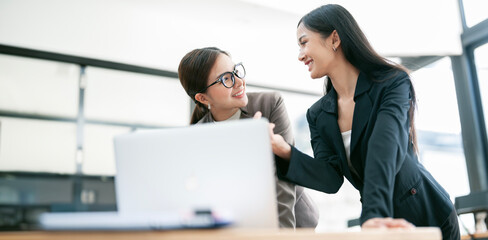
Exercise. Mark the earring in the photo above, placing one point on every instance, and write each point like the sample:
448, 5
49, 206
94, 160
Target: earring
208, 106
334, 48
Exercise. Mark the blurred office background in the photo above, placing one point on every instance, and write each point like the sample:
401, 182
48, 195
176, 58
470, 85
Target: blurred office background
73, 74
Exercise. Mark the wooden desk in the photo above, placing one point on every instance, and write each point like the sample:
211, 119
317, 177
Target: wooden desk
480, 236
231, 234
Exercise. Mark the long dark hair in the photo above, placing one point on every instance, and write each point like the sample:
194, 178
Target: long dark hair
193, 73
357, 50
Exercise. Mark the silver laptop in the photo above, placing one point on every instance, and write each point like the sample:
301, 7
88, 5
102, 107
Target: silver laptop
203, 175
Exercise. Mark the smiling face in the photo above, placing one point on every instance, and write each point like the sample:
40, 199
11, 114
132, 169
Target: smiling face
316, 52
224, 101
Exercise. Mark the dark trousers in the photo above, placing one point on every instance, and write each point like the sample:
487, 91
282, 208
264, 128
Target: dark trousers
450, 228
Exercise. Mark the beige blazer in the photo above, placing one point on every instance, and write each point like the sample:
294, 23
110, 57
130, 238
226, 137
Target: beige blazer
295, 207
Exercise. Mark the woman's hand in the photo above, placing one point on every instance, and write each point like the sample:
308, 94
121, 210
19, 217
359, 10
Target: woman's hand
279, 145
387, 223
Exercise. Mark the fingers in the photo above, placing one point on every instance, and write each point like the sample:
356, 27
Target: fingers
271, 128
374, 223
279, 146
399, 223
257, 115
278, 143
387, 223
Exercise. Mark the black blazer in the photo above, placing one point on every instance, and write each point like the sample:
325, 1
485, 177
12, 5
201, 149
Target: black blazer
391, 180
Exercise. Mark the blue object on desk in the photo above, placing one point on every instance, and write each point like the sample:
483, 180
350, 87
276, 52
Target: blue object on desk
99, 221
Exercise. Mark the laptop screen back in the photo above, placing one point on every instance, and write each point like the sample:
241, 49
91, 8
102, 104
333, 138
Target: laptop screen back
224, 167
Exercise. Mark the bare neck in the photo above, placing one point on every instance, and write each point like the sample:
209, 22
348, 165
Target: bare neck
344, 79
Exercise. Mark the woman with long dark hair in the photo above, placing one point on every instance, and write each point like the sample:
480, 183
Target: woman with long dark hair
218, 87
363, 129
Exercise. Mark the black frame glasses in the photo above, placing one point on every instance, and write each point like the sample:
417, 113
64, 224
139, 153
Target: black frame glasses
239, 71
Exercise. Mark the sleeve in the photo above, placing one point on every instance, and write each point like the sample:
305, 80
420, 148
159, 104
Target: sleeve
306, 211
322, 172
285, 191
387, 148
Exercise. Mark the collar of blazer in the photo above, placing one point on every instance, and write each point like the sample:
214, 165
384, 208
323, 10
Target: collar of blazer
362, 111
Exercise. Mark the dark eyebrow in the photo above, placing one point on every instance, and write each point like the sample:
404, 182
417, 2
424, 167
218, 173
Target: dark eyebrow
222, 74
300, 38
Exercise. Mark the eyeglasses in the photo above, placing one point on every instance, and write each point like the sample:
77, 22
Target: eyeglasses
227, 78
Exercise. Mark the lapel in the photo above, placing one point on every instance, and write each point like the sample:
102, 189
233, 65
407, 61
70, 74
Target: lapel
362, 109
332, 132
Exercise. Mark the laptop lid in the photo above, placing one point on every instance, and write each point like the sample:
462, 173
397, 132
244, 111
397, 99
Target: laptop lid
224, 167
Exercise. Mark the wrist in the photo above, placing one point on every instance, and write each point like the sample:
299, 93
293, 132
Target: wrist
285, 152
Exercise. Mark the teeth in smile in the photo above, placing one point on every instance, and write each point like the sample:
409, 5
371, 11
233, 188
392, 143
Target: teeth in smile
238, 94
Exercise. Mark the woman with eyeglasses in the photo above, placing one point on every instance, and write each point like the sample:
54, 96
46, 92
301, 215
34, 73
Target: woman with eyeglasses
217, 86
363, 130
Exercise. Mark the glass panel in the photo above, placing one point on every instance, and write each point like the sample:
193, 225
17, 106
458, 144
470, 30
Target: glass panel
135, 98
38, 86
37, 145
436, 98
99, 149
481, 61
473, 11
35, 190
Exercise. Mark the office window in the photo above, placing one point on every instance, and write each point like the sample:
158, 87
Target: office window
37, 145
44, 88
436, 98
38, 87
481, 62
98, 152
474, 11
133, 98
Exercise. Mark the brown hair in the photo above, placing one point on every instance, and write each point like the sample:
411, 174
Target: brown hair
193, 73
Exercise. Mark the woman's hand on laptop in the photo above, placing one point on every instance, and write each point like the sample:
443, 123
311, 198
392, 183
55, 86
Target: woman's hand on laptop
257, 115
279, 145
